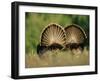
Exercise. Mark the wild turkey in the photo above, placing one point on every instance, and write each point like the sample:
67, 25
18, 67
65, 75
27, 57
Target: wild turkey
53, 37
75, 37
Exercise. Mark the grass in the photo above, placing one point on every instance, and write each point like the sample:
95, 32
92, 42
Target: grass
36, 22
57, 58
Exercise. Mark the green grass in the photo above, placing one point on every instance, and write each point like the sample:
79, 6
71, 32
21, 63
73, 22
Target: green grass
57, 58
34, 25
36, 22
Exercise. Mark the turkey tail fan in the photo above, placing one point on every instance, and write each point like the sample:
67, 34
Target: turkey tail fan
53, 36
75, 36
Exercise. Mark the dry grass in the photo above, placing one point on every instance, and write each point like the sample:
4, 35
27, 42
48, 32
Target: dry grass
57, 58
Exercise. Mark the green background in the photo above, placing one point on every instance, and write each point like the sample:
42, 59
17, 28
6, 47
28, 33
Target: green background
35, 23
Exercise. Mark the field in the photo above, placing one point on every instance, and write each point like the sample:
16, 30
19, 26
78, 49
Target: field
34, 25
36, 22
57, 58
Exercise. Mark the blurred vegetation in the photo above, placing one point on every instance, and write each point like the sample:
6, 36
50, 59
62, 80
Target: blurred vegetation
57, 58
36, 22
